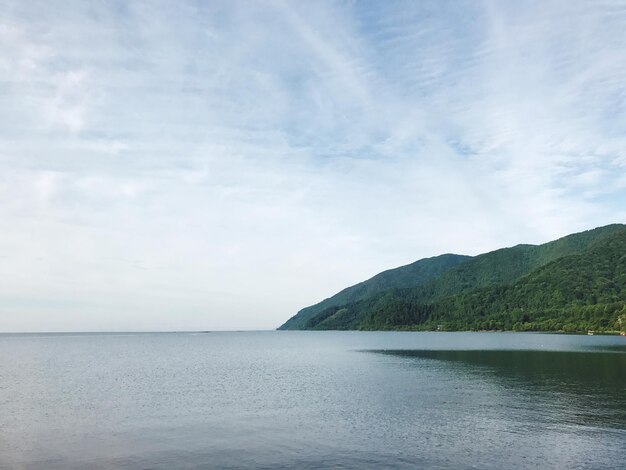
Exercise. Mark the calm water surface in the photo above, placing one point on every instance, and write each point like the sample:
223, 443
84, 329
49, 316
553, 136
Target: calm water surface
312, 400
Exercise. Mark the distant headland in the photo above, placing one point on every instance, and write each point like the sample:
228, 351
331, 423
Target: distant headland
574, 284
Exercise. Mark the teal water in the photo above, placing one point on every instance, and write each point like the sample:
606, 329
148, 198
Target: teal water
312, 400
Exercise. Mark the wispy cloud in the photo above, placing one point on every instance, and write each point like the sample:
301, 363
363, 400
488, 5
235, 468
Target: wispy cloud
171, 165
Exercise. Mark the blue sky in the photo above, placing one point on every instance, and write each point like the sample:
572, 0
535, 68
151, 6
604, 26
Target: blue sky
219, 165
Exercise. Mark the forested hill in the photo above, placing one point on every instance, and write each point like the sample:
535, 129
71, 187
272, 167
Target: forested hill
575, 283
405, 276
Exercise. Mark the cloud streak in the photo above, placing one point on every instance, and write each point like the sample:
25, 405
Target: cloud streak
183, 165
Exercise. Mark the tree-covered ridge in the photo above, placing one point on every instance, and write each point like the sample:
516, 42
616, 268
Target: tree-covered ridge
505, 265
405, 276
585, 291
575, 283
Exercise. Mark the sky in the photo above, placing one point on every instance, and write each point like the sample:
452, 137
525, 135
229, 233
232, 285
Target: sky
216, 165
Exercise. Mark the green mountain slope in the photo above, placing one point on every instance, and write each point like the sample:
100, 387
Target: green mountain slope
585, 291
405, 276
573, 283
508, 264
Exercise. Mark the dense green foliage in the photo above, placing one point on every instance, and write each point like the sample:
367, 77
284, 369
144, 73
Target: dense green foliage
576, 283
405, 276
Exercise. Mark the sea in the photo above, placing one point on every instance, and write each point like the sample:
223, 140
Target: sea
312, 400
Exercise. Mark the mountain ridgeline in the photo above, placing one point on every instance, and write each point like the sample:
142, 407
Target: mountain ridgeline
410, 275
573, 284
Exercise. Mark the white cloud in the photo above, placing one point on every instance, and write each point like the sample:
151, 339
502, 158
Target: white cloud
196, 166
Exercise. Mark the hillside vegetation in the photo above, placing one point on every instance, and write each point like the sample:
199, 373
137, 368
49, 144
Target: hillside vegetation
576, 283
405, 276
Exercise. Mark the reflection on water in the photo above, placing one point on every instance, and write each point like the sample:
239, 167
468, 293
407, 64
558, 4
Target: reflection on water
312, 400
589, 388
